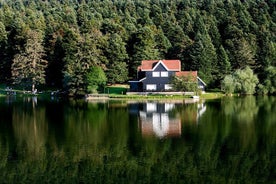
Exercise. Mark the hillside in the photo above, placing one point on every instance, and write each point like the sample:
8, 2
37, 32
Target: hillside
60, 43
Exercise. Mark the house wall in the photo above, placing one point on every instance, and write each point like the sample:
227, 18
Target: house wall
136, 86
159, 81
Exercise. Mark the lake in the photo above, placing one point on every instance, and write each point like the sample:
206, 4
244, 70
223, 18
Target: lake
228, 140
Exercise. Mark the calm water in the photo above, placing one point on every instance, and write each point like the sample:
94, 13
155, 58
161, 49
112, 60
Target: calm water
230, 140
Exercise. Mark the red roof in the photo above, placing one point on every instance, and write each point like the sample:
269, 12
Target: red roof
174, 65
186, 73
193, 74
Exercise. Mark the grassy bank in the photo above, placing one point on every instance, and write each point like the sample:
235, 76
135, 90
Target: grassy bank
150, 96
119, 91
15, 90
212, 95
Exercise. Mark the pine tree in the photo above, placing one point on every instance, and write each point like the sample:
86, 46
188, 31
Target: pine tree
3, 44
144, 47
192, 31
204, 57
224, 64
28, 68
117, 57
81, 53
244, 53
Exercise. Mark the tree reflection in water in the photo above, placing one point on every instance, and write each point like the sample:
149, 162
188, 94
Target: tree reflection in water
30, 128
104, 142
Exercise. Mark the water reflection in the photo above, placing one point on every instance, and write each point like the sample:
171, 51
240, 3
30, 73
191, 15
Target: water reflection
59, 141
164, 119
154, 119
201, 108
30, 127
9, 99
244, 110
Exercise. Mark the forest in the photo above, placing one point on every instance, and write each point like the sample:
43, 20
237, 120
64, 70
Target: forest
79, 45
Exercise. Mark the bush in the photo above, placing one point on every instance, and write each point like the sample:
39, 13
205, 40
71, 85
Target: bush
242, 81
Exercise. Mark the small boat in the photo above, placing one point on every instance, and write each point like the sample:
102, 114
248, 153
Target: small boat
195, 97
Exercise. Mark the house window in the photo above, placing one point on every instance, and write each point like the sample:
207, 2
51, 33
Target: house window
168, 86
155, 74
151, 87
164, 74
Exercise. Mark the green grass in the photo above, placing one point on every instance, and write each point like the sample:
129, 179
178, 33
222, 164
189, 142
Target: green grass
211, 95
20, 92
119, 91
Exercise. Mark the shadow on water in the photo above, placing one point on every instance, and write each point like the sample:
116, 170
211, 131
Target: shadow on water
230, 140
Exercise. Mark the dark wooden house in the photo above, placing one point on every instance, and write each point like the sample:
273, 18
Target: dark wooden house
155, 76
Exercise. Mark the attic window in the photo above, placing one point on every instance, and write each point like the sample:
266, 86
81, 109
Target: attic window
155, 74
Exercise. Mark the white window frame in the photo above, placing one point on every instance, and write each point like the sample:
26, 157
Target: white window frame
168, 86
152, 87
155, 74
164, 74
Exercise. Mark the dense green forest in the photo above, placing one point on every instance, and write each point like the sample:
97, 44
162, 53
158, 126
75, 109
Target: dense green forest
63, 44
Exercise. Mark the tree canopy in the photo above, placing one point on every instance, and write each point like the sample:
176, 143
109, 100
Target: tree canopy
215, 38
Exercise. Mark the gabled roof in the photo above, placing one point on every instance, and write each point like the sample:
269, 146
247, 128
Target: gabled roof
202, 81
170, 65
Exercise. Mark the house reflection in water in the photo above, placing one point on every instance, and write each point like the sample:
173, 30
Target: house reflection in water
201, 108
154, 119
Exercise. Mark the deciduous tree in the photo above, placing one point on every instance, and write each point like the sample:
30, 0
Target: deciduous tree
184, 83
96, 79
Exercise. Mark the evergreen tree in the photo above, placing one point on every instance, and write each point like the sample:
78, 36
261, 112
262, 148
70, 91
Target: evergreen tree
3, 45
204, 57
117, 73
144, 48
244, 54
269, 84
28, 68
117, 57
178, 40
82, 53
237, 33
163, 43
73, 81
224, 65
